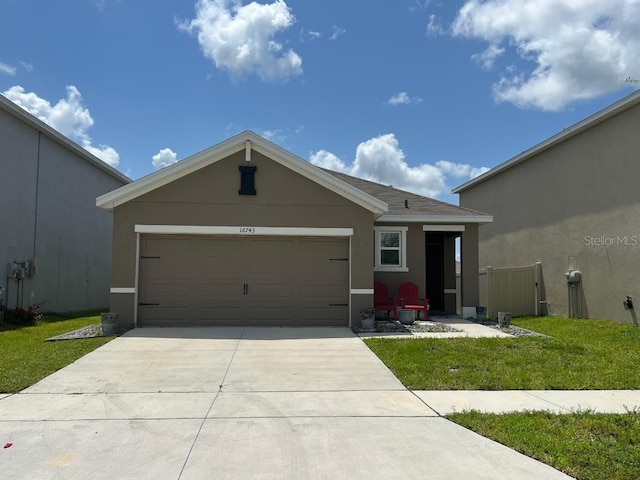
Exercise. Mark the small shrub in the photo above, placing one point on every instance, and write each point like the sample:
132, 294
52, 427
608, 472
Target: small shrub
23, 316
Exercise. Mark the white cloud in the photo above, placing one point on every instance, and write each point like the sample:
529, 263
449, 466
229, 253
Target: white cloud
337, 31
164, 158
419, 6
580, 50
487, 58
460, 170
7, 69
68, 116
240, 38
27, 66
403, 98
434, 27
381, 160
325, 159
104, 152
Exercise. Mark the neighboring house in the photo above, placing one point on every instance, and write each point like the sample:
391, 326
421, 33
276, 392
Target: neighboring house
246, 233
572, 203
55, 244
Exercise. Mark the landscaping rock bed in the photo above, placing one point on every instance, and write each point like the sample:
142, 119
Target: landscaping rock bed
90, 331
511, 330
390, 326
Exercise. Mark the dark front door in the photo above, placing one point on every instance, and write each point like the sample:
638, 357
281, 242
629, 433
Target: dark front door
434, 246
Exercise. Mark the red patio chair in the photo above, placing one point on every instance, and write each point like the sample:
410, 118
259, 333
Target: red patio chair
409, 299
381, 300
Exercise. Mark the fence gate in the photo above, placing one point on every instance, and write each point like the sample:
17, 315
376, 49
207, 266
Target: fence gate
513, 289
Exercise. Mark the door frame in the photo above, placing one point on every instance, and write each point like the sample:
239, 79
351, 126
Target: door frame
456, 229
242, 231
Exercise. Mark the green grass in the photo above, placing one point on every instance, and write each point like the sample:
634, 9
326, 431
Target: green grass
579, 354
26, 358
584, 445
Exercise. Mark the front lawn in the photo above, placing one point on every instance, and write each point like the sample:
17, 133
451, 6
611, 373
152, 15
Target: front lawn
578, 355
585, 445
26, 358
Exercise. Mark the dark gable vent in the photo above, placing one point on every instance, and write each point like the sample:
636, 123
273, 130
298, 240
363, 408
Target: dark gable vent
247, 180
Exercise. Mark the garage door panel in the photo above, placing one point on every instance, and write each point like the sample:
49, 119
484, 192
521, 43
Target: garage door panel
271, 247
216, 314
216, 246
270, 292
321, 266
272, 313
201, 281
331, 246
333, 292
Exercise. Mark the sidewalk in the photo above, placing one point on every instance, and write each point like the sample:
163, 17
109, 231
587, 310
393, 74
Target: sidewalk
445, 402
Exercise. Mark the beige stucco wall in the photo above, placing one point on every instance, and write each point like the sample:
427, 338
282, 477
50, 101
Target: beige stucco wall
415, 260
417, 264
469, 258
574, 205
210, 197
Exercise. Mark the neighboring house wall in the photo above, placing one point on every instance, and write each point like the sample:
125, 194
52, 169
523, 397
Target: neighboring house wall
48, 212
574, 205
210, 197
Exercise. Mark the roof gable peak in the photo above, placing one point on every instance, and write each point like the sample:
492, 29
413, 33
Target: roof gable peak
248, 141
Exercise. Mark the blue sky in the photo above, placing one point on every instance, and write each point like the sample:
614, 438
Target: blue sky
418, 94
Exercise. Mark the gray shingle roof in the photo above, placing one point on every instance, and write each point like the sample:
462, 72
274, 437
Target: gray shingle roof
418, 205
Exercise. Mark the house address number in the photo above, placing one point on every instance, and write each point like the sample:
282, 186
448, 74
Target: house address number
247, 229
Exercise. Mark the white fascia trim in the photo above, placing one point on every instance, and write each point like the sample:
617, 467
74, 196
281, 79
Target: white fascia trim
244, 231
232, 145
443, 228
362, 291
122, 290
439, 219
588, 122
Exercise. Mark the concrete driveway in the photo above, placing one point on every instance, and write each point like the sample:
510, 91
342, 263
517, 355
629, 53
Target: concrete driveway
239, 403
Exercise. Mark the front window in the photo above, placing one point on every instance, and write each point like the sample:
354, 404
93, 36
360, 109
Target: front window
391, 248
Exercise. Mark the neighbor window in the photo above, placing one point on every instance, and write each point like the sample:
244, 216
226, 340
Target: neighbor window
391, 248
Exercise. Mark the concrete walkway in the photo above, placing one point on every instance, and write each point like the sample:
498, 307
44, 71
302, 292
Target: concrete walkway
466, 328
240, 403
557, 401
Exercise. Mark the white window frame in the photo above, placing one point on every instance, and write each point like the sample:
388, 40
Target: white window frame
378, 267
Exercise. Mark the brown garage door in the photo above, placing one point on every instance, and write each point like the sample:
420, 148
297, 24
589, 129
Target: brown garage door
198, 280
